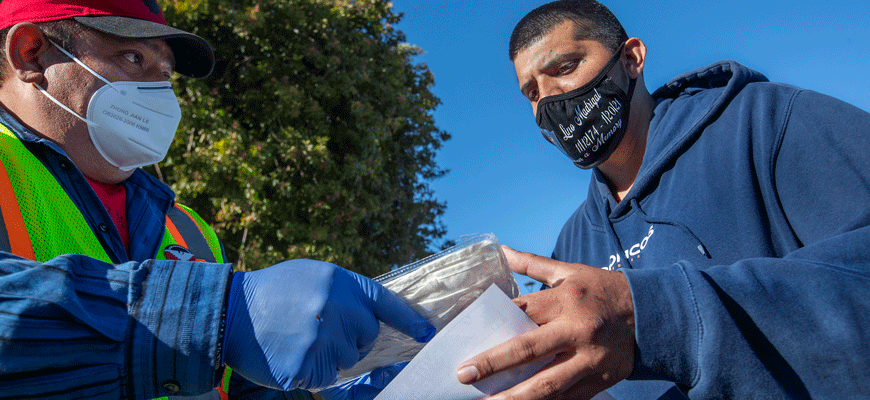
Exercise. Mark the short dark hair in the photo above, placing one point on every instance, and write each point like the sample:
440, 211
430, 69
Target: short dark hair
64, 32
592, 20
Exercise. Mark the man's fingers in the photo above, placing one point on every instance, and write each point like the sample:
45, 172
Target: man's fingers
559, 379
395, 312
381, 377
520, 350
542, 307
542, 269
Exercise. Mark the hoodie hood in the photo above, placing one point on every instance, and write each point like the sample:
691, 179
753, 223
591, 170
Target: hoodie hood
700, 94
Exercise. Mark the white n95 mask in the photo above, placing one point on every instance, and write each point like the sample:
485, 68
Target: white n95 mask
131, 124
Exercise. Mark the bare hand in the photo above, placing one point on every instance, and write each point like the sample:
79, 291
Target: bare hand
586, 320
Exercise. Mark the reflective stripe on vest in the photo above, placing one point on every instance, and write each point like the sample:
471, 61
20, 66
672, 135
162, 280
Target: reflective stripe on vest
182, 219
15, 236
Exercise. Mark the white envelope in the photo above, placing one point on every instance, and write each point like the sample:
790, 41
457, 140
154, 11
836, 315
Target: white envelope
490, 320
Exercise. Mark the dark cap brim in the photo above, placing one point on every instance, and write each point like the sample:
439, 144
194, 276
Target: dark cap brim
194, 57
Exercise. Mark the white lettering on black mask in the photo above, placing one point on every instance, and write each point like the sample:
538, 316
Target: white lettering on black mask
587, 123
131, 124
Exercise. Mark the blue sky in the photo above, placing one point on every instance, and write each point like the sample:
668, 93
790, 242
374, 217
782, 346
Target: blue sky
507, 180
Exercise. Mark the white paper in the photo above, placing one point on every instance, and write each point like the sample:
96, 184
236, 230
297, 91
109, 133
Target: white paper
438, 287
490, 320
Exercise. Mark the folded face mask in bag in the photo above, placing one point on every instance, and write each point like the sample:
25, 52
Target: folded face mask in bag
438, 287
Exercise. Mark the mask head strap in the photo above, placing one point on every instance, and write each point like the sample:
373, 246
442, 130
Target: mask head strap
79, 62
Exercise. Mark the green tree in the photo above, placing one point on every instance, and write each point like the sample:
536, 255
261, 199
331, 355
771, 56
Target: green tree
312, 138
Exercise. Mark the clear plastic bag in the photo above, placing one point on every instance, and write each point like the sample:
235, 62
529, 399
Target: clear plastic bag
438, 287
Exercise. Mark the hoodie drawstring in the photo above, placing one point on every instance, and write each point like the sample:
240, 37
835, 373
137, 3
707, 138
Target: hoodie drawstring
614, 238
701, 248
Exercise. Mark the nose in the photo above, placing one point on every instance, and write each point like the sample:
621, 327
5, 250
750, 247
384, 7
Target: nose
549, 86
164, 64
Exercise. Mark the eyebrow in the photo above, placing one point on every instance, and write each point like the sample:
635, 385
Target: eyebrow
153, 45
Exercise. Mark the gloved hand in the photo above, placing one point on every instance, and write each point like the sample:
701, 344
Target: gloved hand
366, 386
294, 324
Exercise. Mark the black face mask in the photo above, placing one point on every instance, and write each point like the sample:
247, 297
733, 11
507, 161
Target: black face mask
587, 123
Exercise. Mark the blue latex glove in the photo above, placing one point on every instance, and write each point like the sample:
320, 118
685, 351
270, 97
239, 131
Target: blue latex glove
294, 324
366, 386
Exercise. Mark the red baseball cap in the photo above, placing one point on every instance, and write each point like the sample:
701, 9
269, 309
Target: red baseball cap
132, 19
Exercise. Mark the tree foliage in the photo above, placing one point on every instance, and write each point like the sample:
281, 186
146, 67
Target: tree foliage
312, 138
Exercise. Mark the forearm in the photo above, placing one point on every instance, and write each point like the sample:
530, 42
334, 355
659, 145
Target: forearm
788, 327
77, 327
796, 324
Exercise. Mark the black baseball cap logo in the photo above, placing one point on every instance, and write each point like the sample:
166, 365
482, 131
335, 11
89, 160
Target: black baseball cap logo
152, 5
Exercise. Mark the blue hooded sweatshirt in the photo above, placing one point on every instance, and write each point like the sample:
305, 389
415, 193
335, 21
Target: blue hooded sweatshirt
745, 240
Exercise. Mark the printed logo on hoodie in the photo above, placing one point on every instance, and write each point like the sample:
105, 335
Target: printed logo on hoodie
631, 253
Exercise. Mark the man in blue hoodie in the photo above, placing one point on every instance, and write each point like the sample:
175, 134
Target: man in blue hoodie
722, 251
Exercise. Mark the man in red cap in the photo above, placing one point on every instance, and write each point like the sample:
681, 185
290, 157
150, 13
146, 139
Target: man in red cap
110, 289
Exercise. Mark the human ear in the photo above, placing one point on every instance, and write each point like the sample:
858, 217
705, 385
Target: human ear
25, 47
633, 57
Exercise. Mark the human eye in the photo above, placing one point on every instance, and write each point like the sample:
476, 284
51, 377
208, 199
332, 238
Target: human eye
133, 57
532, 94
567, 67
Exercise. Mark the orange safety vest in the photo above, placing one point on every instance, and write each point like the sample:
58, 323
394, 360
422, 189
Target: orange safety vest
38, 220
